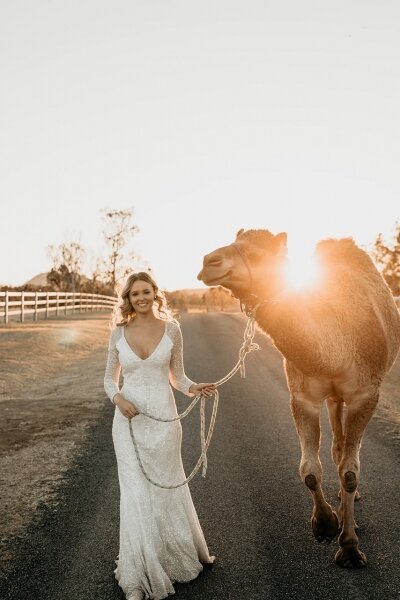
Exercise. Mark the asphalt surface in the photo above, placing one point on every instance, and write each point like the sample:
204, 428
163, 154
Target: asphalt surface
253, 508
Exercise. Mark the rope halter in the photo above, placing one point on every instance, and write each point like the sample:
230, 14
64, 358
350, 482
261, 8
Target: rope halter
248, 346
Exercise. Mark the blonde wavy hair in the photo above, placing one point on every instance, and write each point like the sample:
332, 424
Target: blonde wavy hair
124, 311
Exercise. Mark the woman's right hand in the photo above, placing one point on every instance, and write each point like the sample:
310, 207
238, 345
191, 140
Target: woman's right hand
128, 409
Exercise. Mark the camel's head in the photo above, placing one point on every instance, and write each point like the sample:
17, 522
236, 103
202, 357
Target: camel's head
252, 264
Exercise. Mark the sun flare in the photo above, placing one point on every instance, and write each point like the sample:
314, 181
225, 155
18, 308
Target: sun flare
303, 270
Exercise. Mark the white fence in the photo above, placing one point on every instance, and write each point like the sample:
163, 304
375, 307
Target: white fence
21, 304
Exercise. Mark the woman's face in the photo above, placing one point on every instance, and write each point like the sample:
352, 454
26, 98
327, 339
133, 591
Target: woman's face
141, 296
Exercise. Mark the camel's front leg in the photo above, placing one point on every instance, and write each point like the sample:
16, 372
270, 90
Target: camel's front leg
306, 413
360, 410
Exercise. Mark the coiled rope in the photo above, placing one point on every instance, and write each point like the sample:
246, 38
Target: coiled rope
247, 346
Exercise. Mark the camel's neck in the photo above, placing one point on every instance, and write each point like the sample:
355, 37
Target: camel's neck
287, 322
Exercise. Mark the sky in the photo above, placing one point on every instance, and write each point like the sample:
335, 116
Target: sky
204, 116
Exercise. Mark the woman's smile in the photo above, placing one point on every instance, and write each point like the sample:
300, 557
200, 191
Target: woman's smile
142, 295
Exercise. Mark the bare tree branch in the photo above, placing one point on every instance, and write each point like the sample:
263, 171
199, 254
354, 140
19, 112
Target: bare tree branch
118, 233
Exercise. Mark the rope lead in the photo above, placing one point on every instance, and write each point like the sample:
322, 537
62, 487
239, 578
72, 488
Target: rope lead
247, 347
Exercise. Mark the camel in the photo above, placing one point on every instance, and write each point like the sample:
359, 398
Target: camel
338, 340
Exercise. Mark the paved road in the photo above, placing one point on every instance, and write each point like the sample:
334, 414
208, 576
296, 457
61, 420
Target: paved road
252, 506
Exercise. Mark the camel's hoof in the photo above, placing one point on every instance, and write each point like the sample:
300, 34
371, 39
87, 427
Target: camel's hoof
325, 527
351, 558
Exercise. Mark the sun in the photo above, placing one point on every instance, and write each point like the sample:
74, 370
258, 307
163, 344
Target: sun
303, 270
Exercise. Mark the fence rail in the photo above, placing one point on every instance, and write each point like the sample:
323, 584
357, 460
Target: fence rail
21, 304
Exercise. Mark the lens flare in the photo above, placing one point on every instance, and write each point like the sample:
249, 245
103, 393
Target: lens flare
67, 337
303, 271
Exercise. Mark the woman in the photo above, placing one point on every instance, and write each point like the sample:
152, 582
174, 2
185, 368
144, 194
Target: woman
161, 540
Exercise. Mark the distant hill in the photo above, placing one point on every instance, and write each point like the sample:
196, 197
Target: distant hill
38, 280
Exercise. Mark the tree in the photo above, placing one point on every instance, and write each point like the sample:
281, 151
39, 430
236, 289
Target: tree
219, 298
95, 284
176, 300
117, 233
387, 256
66, 273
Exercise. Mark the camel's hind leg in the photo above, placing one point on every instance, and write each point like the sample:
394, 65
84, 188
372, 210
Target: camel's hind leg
336, 417
336, 411
359, 412
306, 414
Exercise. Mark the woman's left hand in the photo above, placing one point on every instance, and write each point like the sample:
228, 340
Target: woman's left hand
205, 389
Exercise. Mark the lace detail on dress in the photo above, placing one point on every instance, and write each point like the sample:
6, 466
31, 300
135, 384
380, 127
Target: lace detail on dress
113, 367
178, 377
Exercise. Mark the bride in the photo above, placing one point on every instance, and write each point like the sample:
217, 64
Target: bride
160, 540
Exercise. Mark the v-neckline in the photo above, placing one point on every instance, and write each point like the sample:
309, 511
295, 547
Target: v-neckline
151, 353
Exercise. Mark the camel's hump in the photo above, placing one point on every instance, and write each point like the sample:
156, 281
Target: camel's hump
344, 250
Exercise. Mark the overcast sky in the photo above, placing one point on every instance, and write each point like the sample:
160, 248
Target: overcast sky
206, 116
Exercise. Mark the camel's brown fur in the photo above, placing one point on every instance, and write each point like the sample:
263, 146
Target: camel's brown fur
338, 340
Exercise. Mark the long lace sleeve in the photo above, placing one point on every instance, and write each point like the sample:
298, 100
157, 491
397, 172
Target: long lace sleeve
177, 374
113, 367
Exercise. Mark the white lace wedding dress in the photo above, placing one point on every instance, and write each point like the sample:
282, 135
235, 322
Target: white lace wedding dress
161, 540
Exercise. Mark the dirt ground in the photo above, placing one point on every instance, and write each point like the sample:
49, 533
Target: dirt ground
50, 393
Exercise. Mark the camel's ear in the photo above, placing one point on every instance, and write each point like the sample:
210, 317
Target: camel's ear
239, 233
281, 243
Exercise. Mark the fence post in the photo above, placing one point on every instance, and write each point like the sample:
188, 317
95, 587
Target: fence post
35, 315
22, 306
47, 305
6, 307
65, 302
57, 304
73, 302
